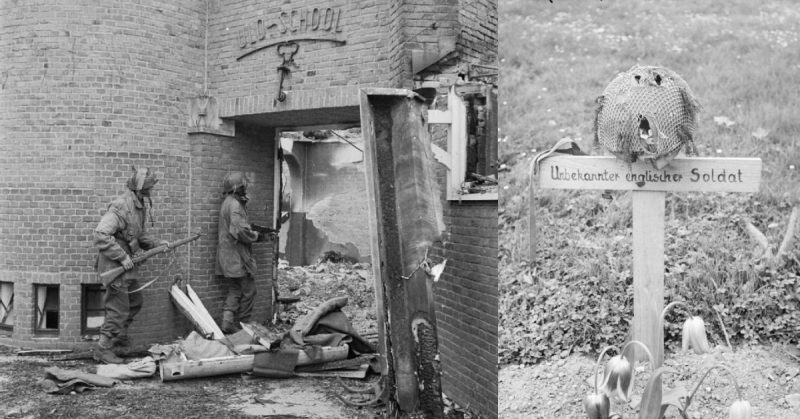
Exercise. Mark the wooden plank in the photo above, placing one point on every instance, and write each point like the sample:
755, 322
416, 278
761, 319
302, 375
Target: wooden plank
701, 174
403, 205
441, 155
532, 233
205, 367
201, 309
456, 145
648, 271
439, 117
38, 352
188, 309
361, 372
375, 218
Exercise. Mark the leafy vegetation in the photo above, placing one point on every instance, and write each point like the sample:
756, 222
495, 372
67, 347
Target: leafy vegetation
741, 59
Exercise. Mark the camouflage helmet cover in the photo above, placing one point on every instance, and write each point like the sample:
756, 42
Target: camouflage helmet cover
234, 181
142, 179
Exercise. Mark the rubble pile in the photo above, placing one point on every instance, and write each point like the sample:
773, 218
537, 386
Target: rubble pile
318, 283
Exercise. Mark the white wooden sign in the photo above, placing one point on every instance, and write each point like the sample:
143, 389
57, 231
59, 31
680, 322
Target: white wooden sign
703, 174
649, 187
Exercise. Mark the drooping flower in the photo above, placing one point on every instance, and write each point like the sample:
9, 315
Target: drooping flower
597, 406
740, 409
694, 336
618, 377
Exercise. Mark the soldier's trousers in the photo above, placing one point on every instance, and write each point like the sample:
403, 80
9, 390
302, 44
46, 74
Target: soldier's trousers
120, 306
241, 296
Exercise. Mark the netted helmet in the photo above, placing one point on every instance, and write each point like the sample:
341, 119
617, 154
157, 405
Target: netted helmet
142, 179
234, 181
647, 113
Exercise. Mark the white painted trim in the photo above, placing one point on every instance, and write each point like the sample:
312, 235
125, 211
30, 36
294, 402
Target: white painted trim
488, 196
439, 117
456, 144
442, 156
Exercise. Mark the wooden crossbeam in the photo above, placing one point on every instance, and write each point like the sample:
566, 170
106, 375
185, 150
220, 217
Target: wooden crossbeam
648, 187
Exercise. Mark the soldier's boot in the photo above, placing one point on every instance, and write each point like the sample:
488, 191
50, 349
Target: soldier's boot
228, 324
103, 352
122, 344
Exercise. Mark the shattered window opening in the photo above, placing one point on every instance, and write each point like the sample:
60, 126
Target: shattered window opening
92, 309
6, 306
471, 157
46, 309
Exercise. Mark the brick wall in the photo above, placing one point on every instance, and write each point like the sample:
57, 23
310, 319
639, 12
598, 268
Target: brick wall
466, 303
478, 36
326, 74
86, 91
251, 152
466, 295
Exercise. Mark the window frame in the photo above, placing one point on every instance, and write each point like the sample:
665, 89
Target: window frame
85, 288
455, 157
40, 316
8, 311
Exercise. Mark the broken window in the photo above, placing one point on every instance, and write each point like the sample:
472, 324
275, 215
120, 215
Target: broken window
92, 309
6, 306
481, 138
471, 155
46, 316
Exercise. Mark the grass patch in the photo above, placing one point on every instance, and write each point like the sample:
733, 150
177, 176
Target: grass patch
742, 60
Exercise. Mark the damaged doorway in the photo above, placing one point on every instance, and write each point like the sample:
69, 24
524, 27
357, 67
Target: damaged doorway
323, 197
324, 240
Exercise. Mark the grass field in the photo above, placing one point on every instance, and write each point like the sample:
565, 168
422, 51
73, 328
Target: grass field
742, 60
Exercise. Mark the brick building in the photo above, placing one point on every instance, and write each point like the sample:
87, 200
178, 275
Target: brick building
195, 89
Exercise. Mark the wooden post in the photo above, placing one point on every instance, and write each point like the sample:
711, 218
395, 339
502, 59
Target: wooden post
649, 187
648, 271
405, 219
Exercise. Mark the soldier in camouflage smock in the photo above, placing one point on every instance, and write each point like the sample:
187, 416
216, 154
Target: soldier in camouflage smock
120, 234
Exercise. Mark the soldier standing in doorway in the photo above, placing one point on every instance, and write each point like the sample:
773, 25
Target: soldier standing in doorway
234, 252
120, 234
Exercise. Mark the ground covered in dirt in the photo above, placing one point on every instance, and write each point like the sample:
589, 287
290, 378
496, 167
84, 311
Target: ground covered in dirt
769, 378
239, 395
22, 392
231, 396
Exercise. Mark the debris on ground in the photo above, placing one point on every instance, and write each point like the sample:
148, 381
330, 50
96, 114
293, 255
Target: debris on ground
318, 283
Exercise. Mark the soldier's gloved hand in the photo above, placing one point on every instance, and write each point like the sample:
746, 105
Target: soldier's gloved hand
164, 243
127, 263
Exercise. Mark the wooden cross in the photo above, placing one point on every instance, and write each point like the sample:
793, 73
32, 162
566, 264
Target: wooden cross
648, 188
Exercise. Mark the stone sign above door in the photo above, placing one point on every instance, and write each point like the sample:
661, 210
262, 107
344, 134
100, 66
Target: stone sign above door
302, 24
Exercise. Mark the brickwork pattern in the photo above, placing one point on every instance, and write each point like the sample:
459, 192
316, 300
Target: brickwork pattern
466, 303
87, 91
251, 152
477, 42
326, 74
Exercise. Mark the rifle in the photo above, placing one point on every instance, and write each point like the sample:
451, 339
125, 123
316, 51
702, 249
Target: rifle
110, 275
264, 231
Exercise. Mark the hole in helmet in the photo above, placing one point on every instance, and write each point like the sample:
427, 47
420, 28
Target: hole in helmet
658, 79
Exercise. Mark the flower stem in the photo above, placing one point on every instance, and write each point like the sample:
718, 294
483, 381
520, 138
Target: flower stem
696, 387
735, 382
722, 325
597, 364
647, 351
